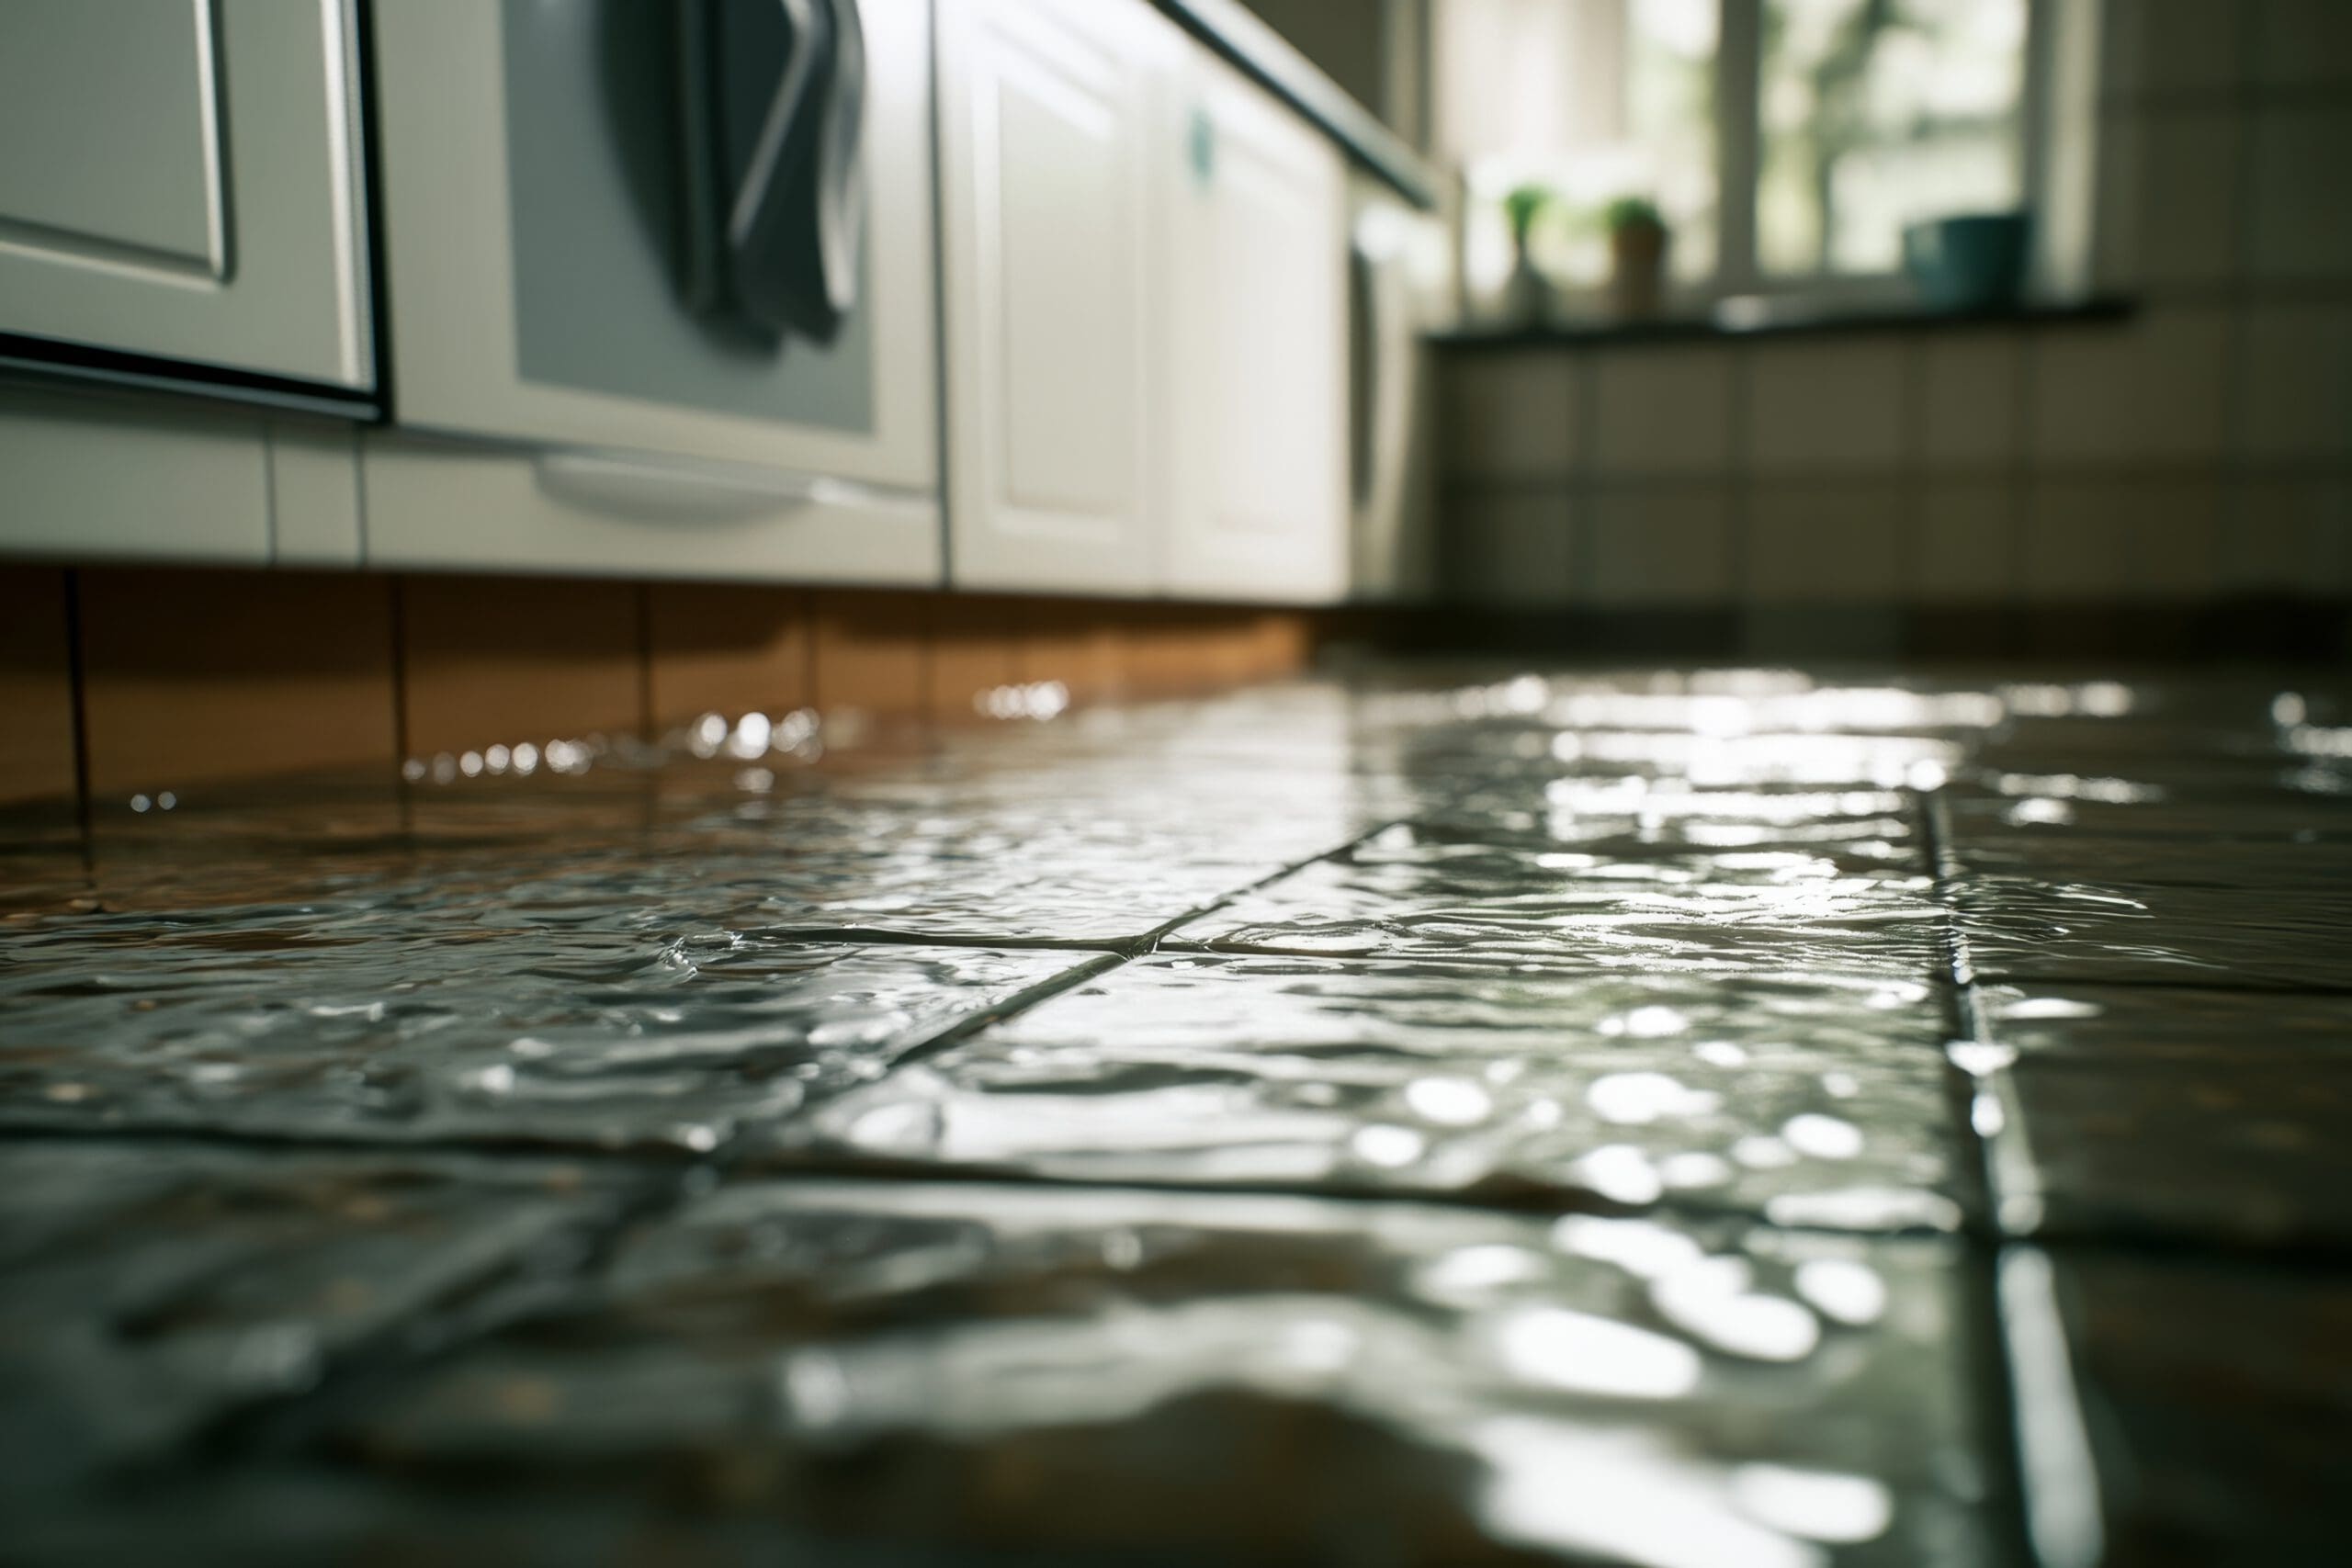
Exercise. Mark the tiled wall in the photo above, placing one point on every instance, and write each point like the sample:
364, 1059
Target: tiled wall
2201, 451
144, 681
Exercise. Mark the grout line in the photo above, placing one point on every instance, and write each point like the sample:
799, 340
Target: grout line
1999, 1388
2056, 1470
2218, 982
1164, 930
1020, 1001
396, 589
642, 599
78, 684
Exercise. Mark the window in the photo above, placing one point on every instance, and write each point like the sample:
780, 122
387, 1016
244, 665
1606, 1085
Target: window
1786, 143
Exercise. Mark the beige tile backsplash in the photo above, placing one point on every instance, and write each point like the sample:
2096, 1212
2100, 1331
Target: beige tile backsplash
1826, 544
1662, 410
1658, 545
2201, 448
2302, 193
1826, 406
2151, 391
1509, 417
1968, 398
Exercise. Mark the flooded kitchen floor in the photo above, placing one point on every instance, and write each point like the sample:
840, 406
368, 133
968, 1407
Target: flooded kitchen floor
1451, 1117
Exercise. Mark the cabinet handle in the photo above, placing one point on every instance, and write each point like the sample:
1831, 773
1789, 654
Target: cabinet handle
1200, 146
653, 493
773, 97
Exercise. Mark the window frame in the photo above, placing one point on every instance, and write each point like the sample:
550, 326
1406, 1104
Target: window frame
1739, 84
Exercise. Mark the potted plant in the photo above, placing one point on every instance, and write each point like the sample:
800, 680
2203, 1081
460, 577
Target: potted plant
1527, 293
1637, 243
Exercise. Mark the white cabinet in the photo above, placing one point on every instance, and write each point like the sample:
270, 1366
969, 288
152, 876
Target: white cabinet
571, 396
1145, 313
1047, 122
1259, 349
181, 181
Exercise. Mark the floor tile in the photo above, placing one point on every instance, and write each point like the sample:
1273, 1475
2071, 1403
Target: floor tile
2119, 1024
322, 1023
2214, 1422
1713, 924
147, 1287
1065, 1372
1557, 1127
2222, 1152
2019, 927
1814, 1104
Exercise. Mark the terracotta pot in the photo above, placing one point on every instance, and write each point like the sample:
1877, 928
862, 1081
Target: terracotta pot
1638, 268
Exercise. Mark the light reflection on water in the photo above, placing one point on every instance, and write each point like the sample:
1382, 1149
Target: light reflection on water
1663, 960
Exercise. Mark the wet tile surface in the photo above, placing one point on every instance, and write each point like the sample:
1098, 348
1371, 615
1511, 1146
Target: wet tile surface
153, 1286
2215, 1396
929, 1362
1445, 1115
1820, 1102
395, 1029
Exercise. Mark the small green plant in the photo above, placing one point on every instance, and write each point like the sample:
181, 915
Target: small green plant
1523, 205
1631, 212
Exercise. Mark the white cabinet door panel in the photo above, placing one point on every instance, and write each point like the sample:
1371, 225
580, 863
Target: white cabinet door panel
1046, 121
1259, 350
179, 178
110, 132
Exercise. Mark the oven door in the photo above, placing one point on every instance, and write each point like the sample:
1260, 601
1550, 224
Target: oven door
698, 230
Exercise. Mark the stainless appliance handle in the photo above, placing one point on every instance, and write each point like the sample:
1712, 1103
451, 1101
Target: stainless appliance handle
775, 100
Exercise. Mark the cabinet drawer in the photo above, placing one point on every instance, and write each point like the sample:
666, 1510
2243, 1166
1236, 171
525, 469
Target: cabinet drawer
461, 506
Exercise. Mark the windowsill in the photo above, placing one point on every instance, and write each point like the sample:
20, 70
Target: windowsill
1790, 320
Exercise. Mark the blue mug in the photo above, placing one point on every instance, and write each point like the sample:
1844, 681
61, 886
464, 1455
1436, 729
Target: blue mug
1970, 263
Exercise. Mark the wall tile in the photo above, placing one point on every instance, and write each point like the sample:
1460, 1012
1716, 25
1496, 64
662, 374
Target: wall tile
2304, 43
2150, 389
975, 648
2288, 536
725, 648
2297, 383
1658, 545
36, 686
2302, 197
1966, 549
195, 677
1509, 549
2184, 211
2171, 47
2142, 538
1074, 641
1825, 544
870, 652
1969, 398
495, 661
2117, 182
1508, 415
1661, 411
1285, 642
1172, 649
1825, 405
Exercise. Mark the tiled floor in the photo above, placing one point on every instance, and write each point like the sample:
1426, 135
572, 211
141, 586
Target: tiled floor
1644, 1118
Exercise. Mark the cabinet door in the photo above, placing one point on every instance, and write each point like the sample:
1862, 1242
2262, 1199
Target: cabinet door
1260, 348
1045, 114
180, 180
